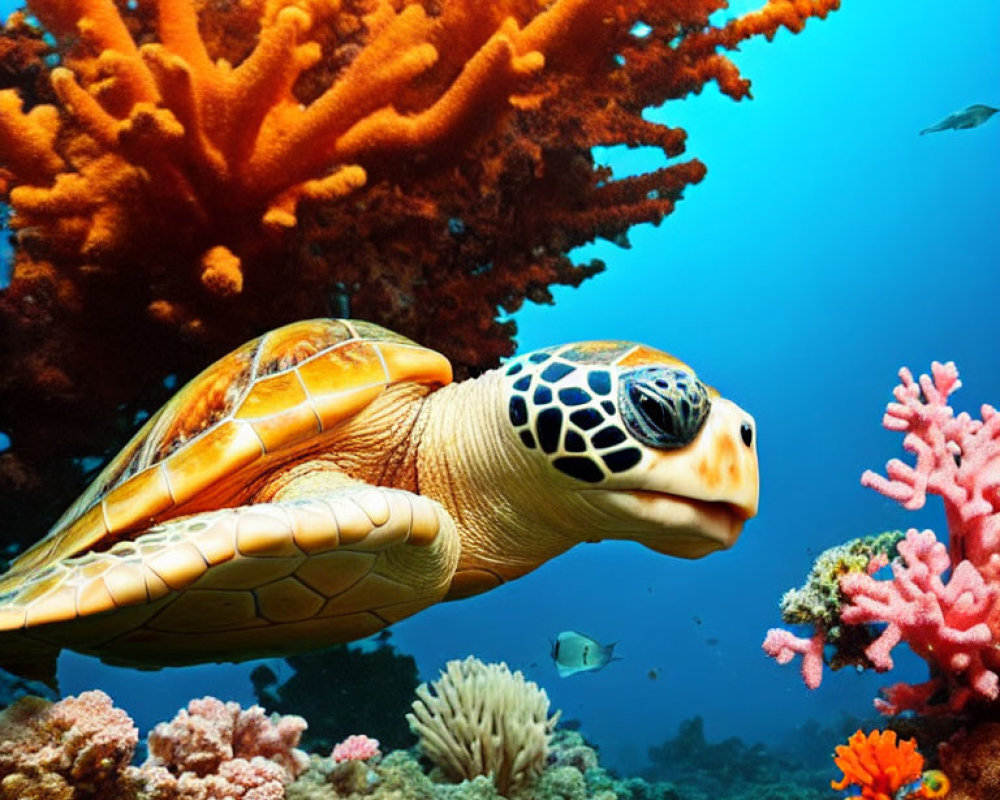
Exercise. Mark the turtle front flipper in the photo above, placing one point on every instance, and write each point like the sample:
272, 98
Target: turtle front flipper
248, 582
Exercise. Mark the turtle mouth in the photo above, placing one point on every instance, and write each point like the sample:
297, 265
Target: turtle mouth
670, 523
711, 507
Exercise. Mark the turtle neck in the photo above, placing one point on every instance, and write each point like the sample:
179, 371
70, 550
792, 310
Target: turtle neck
470, 461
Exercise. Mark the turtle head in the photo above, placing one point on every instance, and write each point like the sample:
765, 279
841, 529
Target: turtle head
637, 446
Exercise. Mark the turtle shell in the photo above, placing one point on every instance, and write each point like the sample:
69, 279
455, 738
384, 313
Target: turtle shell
259, 406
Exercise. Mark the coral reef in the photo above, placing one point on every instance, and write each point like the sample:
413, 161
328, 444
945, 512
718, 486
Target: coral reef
819, 603
81, 748
78, 747
210, 733
482, 719
732, 769
943, 602
972, 762
399, 776
184, 174
332, 687
877, 764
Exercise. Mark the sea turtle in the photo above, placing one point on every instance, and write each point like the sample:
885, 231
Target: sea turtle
328, 479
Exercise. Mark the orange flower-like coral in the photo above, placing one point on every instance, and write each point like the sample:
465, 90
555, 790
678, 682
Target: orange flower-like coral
183, 174
877, 764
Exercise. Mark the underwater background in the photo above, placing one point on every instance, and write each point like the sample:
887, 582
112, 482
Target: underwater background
829, 245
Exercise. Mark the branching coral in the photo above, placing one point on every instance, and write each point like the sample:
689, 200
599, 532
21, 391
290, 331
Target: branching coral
230, 150
202, 170
481, 719
819, 603
950, 620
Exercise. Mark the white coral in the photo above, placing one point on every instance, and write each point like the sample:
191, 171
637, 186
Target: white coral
481, 719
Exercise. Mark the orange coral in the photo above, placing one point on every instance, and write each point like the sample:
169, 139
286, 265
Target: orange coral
197, 171
877, 764
230, 148
157, 136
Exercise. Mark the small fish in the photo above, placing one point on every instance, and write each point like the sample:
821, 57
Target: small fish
971, 117
933, 784
574, 652
653, 674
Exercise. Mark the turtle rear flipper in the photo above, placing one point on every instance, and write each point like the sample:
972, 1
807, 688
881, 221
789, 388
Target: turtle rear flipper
241, 583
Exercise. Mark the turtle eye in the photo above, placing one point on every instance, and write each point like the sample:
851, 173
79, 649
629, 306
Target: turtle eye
664, 407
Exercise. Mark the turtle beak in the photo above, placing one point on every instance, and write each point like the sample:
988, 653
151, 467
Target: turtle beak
672, 525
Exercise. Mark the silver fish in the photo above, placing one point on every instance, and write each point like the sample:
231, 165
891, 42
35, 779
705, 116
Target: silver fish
971, 117
575, 652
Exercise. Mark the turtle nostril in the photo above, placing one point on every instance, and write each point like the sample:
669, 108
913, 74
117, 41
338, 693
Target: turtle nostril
746, 433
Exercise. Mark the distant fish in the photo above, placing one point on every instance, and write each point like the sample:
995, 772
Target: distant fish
574, 652
653, 674
971, 117
932, 784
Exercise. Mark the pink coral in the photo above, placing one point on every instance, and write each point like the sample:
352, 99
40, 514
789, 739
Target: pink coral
950, 620
942, 622
955, 626
210, 733
52, 747
238, 779
784, 645
356, 748
958, 458
80, 748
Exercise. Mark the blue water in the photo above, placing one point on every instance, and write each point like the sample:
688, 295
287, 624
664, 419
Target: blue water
828, 246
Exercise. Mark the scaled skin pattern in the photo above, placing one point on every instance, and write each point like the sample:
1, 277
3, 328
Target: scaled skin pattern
193, 173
